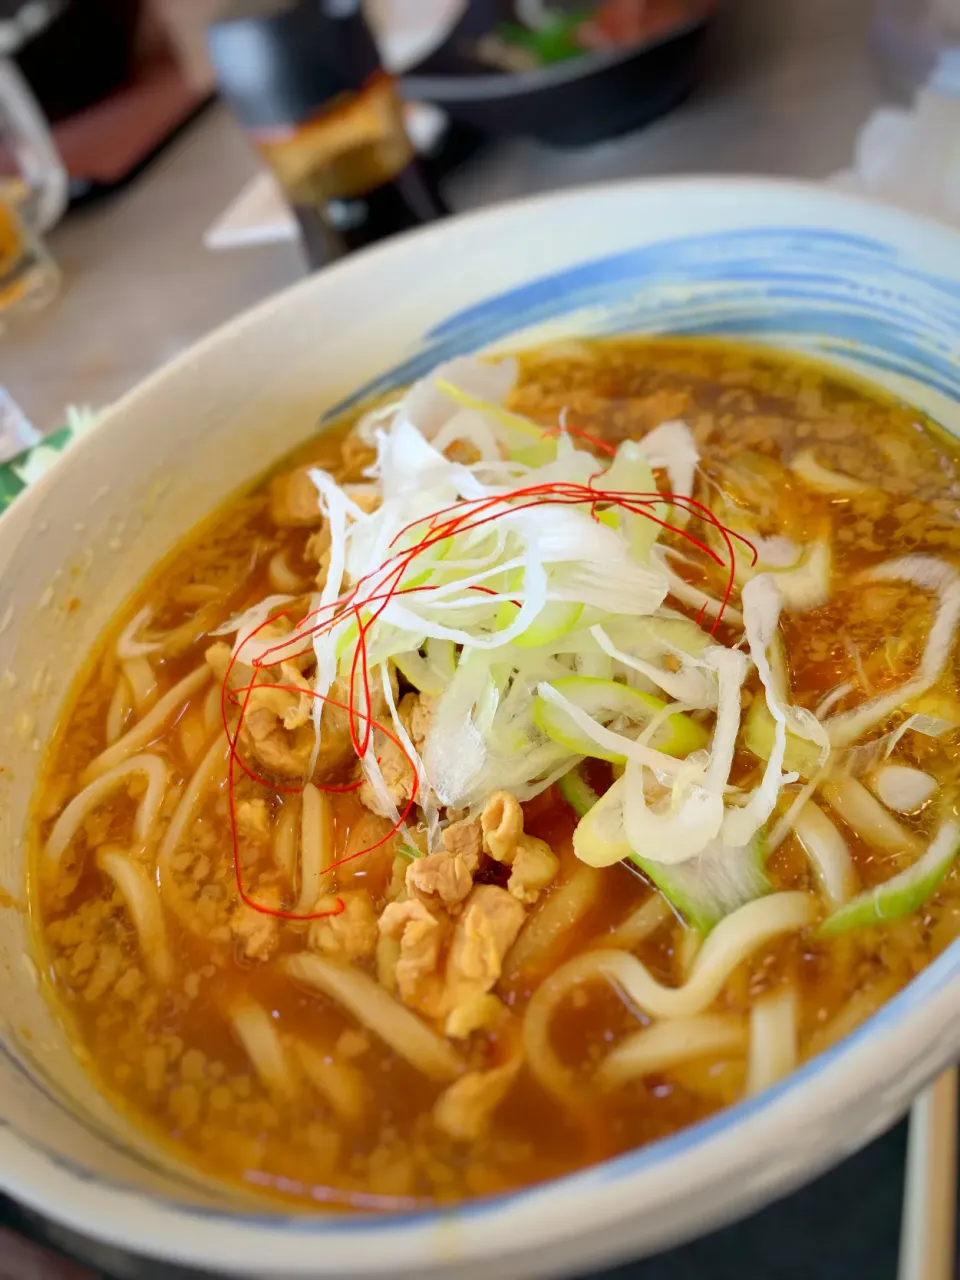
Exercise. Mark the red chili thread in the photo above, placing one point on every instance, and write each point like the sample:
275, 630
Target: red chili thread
489, 591
568, 494
277, 653
565, 430
360, 658
279, 912
231, 695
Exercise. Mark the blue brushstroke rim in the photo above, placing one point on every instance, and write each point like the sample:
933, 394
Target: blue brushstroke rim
922, 330
830, 292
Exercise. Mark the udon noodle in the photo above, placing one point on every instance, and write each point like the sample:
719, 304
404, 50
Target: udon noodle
543, 758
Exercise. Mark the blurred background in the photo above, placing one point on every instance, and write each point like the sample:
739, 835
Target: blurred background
200, 155
165, 164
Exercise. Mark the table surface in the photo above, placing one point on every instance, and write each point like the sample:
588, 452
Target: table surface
788, 85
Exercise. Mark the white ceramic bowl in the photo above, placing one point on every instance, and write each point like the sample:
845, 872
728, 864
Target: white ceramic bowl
800, 266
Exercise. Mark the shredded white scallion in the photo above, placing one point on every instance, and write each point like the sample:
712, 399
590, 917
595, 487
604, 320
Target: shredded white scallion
490, 577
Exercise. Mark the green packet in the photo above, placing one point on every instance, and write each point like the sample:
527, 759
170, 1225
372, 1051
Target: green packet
22, 470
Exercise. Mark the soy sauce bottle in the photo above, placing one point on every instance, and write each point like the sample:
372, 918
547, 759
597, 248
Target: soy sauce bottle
305, 79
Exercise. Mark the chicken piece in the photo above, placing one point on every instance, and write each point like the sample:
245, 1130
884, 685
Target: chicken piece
448, 875
291, 708
257, 935
278, 750
364, 496
318, 548
443, 877
465, 839
397, 774
318, 545
323, 569
300, 708
483, 935
463, 451
451, 987
278, 728
219, 656
266, 706
418, 970
416, 713
350, 935
293, 500
397, 884
253, 821
368, 855
356, 455
218, 659
534, 864
481, 1013
465, 1108
336, 745
502, 826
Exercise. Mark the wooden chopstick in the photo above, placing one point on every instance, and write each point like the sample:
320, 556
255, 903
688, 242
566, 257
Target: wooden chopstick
928, 1228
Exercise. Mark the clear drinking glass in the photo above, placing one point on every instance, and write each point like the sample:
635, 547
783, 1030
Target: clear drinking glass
29, 204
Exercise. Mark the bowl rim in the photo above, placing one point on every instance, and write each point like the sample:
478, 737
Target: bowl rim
581, 1215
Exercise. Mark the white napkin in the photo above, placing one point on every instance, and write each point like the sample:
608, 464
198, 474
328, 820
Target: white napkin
259, 215
911, 156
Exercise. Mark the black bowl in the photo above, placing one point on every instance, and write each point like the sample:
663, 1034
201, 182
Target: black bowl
570, 103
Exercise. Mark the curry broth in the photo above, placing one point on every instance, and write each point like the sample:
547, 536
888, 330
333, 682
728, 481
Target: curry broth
169, 1056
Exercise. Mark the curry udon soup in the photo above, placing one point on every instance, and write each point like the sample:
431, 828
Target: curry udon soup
549, 757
